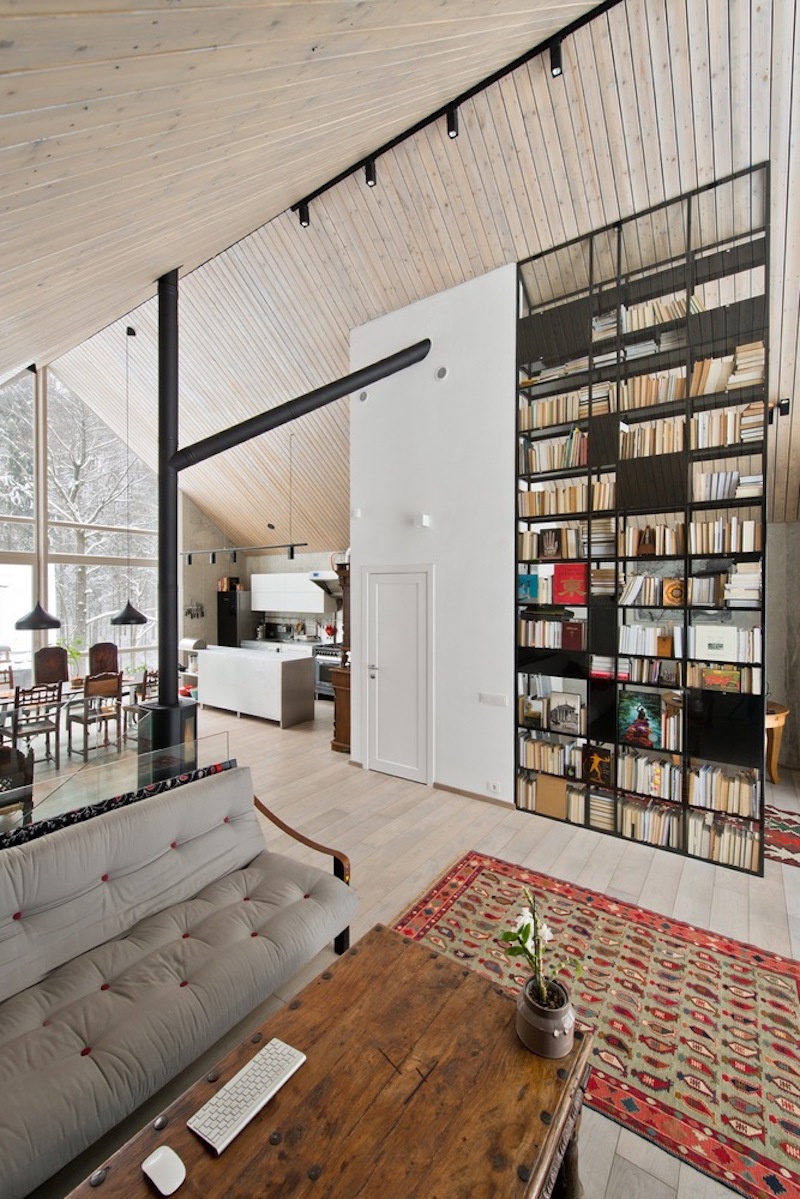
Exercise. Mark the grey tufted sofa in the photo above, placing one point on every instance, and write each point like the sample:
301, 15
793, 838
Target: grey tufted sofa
129, 944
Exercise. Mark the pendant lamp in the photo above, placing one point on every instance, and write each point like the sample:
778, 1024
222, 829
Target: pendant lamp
129, 614
37, 618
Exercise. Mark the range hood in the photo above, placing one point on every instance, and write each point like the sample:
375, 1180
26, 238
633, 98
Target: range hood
328, 580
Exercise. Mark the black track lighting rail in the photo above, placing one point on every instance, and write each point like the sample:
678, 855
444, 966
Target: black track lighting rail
449, 110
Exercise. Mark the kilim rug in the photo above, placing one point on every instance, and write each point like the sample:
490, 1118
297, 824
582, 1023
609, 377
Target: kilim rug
782, 836
696, 1035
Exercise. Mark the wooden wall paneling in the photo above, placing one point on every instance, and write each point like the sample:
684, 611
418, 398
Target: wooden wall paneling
495, 161
437, 154
523, 172
630, 133
559, 150
301, 266
408, 207
572, 118
784, 259
460, 210
596, 134
529, 85
490, 175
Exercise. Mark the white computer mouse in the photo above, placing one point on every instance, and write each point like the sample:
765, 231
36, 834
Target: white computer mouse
164, 1169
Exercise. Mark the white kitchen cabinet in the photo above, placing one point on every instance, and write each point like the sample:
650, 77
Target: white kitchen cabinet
289, 592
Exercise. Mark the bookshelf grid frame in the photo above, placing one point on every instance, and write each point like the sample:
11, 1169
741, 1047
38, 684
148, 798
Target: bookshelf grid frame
713, 746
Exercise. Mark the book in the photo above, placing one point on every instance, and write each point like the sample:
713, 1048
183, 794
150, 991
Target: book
721, 678
550, 544
639, 719
533, 709
597, 765
664, 645
572, 634
674, 593
527, 587
551, 797
570, 583
718, 642
564, 712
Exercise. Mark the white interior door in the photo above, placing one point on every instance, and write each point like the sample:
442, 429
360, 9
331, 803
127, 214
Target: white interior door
397, 689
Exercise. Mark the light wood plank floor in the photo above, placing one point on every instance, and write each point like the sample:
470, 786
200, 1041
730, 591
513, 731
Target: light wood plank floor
400, 836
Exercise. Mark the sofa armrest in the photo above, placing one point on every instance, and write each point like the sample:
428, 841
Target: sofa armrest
341, 863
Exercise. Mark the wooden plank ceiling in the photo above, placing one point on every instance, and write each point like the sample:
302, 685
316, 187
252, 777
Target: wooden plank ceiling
127, 165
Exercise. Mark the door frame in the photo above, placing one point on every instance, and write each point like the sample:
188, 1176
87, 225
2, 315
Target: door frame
426, 569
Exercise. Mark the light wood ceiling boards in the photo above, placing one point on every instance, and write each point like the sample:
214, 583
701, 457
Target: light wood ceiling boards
140, 136
657, 97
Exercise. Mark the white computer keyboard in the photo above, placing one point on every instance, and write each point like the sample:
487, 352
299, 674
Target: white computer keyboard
225, 1114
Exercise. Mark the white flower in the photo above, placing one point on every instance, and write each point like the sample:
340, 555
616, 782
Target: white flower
544, 932
525, 917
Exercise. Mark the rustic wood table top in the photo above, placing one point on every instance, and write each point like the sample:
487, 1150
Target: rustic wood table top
415, 1085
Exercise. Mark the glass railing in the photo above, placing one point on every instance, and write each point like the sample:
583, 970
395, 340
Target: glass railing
110, 774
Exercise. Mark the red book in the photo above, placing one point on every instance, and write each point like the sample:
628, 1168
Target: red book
569, 583
572, 634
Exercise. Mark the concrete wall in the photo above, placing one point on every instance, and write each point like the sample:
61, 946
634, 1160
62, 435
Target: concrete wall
445, 448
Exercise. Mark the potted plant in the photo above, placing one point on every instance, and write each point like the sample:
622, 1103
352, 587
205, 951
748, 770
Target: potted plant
74, 652
545, 1018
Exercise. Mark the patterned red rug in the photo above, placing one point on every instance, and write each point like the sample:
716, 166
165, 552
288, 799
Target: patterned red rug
782, 836
696, 1044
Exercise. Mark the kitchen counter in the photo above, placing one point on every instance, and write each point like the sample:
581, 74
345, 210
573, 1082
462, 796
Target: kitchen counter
289, 649
251, 682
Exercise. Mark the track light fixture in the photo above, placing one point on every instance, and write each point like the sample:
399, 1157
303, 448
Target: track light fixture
556, 67
212, 557
302, 209
370, 173
452, 122
188, 559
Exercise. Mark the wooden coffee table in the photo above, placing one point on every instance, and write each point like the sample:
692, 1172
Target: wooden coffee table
415, 1085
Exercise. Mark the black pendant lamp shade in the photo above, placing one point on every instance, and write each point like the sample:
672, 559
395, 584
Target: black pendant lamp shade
129, 614
37, 618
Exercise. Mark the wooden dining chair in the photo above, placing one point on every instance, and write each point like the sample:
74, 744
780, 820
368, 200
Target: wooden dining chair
103, 658
51, 665
101, 704
37, 713
16, 781
131, 712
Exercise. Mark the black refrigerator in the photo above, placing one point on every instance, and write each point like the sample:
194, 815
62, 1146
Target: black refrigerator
235, 620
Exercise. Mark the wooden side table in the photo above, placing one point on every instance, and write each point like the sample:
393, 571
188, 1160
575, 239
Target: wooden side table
340, 679
776, 719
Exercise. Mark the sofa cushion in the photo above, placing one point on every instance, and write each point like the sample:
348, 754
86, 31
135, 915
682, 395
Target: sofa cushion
66, 893
86, 1045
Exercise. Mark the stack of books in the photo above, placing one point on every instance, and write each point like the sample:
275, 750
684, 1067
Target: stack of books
601, 811
743, 588
603, 538
751, 422
748, 366
604, 580
749, 486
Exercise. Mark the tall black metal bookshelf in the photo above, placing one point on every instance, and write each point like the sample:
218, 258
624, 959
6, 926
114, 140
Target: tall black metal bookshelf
642, 417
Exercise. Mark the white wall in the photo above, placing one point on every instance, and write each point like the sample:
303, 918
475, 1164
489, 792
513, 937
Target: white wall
445, 448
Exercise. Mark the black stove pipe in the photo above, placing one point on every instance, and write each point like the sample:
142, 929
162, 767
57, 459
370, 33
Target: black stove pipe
280, 415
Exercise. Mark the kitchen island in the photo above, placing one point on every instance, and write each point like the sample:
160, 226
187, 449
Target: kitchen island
251, 683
